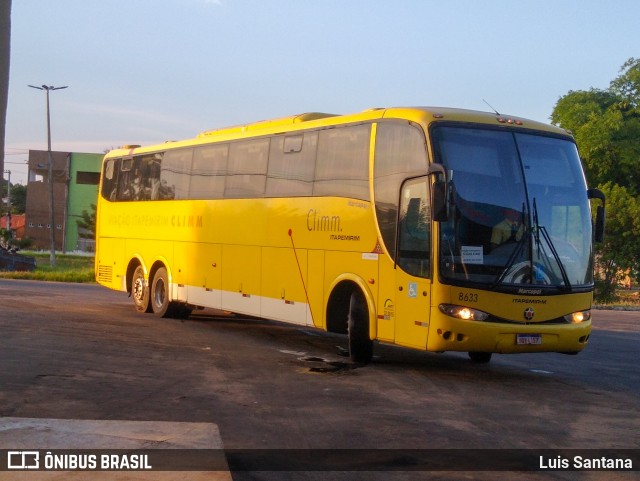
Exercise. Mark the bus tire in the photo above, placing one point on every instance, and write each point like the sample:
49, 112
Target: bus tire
140, 291
360, 345
160, 303
480, 357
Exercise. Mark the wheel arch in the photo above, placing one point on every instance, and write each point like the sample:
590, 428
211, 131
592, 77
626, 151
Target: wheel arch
134, 262
157, 264
337, 309
149, 272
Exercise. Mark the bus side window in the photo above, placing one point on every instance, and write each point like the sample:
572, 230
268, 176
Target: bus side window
292, 162
400, 152
125, 191
208, 171
110, 179
342, 165
145, 177
153, 166
175, 173
137, 179
414, 233
247, 166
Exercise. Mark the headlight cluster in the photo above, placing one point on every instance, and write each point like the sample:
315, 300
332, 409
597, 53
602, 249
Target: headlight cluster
578, 317
462, 312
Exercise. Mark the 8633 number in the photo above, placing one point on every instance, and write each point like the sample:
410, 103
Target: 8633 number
467, 297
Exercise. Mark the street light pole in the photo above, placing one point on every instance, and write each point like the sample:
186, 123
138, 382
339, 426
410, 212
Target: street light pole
52, 235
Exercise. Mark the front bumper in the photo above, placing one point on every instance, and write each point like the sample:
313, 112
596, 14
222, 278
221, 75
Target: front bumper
451, 334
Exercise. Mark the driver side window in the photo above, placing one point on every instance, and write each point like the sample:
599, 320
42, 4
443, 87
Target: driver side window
414, 229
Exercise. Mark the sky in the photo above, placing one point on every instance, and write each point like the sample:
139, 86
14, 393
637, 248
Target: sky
148, 71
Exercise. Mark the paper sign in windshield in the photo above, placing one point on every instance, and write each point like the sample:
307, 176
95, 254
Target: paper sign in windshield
472, 255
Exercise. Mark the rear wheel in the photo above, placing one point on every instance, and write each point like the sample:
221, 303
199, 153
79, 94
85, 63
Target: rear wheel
160, 293
360, 346
140, 291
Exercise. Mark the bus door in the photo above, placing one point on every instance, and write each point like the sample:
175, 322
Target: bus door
407, 300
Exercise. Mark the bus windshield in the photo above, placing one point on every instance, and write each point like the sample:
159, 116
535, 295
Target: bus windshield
518, 210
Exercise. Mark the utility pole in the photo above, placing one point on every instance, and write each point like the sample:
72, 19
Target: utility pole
8, 172
52, 235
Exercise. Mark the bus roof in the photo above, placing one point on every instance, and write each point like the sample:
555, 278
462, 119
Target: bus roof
421, 115
264, 124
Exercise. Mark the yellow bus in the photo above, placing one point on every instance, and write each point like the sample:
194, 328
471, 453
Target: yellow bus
432, 228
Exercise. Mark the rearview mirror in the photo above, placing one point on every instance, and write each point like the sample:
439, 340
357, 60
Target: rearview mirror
439, 211
439, 201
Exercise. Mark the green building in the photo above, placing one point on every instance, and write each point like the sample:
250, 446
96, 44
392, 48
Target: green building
83, 193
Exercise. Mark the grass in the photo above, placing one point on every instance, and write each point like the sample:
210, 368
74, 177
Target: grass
68, 268
626, 300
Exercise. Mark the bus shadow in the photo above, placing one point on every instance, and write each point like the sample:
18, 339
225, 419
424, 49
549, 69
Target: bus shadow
320, 352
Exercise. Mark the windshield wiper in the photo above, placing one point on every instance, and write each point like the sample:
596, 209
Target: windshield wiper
534, 231
539, 229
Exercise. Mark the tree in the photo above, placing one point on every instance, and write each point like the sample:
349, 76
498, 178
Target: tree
606, 126
18, 198
5, 54
627, 85
618, 255
87, 225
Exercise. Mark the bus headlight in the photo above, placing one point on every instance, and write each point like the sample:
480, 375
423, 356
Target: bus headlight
578, 317
462, 312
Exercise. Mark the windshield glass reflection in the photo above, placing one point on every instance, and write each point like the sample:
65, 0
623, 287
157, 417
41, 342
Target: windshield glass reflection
519, 213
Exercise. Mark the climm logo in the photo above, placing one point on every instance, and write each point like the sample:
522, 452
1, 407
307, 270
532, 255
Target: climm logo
322, 223
186, 221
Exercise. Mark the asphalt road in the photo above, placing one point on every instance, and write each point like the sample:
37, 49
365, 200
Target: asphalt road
82, 352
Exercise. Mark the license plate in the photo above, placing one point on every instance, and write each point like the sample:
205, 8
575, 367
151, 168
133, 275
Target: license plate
528, 339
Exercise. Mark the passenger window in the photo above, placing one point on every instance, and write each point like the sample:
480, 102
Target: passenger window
175, 174
247, 168
126, 180
149, 168
110, 179
209, 171
292, 162
342, 167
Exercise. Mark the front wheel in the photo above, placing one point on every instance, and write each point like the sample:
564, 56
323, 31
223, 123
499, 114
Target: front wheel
480, 357
360, 346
